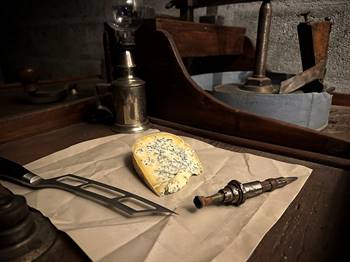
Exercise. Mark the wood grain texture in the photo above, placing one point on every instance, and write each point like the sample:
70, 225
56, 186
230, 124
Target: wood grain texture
339, 122
194, 39
313, 43
49, 118
252, 144
315, 227
172, 95
204, 3
341, 99
49, 142
48, 83
211, 64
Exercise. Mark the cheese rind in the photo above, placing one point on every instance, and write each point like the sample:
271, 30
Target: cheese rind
165, 162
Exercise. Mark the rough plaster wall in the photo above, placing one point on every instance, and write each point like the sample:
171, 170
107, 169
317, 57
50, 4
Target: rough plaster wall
61, 37
284, 53
284, 47
64, 37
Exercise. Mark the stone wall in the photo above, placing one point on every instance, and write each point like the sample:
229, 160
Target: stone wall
61, 37
283, 53
284, 47
64, 37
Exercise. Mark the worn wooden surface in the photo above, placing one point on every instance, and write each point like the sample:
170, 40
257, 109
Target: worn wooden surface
266, 147
339, 122
212, 64
341, 99
315, 227
50, 83
47, 118
20, 118
14, 100
172, 95
313, 44
194, 39
59, 115
204, 3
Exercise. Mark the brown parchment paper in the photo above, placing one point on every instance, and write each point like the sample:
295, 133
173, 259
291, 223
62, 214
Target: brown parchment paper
217, 233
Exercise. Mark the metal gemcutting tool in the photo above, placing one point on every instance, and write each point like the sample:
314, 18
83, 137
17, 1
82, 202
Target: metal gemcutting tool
117, 199
235, 193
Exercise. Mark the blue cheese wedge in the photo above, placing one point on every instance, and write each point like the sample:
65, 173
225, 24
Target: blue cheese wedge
165, 162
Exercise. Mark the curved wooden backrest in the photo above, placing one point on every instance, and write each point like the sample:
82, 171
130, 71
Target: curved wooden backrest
172, 95
196, 40
205, 47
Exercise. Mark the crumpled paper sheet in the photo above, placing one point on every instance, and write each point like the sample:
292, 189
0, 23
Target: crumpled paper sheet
216, 233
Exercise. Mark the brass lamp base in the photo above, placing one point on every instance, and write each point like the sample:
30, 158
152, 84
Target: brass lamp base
259, 85
131, 128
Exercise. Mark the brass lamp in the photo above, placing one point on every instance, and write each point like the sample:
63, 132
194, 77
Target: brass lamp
128, 91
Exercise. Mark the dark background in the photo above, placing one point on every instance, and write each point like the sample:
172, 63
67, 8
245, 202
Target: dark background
64, 37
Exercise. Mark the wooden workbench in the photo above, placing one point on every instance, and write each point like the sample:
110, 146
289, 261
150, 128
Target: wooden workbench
314, 227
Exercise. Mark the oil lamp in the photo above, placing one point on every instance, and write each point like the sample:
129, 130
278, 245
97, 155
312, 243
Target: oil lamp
125, 16
128, 91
